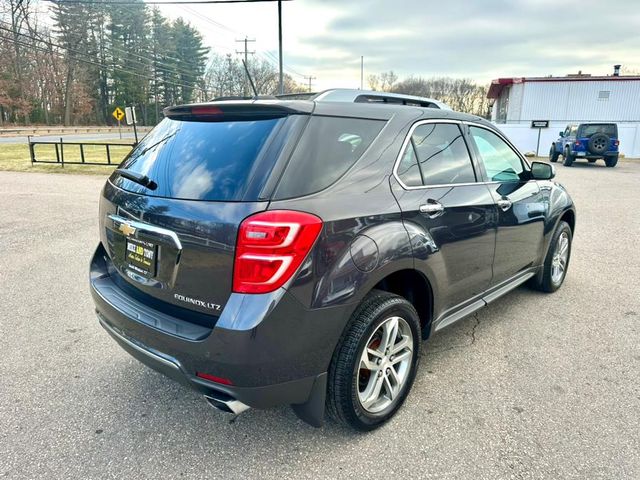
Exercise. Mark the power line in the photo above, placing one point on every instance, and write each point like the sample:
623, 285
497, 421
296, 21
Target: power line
173, 68
169, 2
161, 66
90, 62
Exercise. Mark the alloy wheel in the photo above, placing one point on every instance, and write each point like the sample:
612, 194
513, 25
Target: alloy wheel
385, 364
560, 258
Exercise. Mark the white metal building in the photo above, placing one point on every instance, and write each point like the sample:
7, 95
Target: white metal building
562, 100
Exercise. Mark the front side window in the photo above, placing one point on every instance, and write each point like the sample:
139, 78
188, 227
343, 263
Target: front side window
501, 163
437, 154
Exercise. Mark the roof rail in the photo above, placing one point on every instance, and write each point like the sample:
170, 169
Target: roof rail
297, 96
370, 96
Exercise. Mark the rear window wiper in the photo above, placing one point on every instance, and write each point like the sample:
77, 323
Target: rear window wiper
139, 178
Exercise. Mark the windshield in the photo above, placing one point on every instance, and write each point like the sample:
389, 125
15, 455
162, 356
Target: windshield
202, 160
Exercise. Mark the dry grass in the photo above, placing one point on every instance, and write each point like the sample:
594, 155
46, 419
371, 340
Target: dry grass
15, 157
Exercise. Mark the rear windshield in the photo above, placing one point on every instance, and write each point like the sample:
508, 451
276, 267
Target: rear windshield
203, 160
609, 129
328, 147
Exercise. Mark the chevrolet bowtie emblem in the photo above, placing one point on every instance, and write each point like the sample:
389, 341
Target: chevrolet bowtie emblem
127, 229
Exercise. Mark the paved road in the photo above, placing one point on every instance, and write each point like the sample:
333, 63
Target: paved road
534, 386
73, 137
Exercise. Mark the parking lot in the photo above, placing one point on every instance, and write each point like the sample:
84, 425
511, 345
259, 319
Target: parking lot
533, 386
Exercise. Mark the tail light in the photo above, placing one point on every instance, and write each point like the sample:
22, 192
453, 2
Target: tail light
206, 110
213, 378
271, 246
578, 144
617, 143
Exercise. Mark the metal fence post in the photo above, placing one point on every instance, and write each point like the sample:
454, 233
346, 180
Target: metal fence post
62, 152
31, 152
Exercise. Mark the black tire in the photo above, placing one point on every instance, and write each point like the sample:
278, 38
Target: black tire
611, 161
343, 403
568, 158
553, 154
598, 143
544, 280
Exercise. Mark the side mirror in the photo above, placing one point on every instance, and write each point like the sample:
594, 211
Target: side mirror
561, 134
542, 171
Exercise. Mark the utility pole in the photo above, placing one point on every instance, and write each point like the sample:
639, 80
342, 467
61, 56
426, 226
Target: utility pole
246, 59
361, 72
310, 78
281, 85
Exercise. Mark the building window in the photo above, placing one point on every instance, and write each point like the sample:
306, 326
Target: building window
603, 95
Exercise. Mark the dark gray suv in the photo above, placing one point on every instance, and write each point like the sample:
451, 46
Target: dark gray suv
283, 251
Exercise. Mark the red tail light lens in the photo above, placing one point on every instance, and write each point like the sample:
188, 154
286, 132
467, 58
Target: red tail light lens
213, 378
271, 246
578, 143
617, 143
206, 110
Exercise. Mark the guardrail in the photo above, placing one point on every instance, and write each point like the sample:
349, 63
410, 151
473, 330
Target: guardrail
59, 148
19, 131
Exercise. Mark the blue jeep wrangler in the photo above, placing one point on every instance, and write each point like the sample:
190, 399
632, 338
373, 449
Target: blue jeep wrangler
587, 140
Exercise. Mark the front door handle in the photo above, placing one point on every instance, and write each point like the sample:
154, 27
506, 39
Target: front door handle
504, 204
432, 209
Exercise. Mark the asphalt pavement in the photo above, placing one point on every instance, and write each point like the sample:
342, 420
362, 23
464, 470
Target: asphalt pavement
533, 386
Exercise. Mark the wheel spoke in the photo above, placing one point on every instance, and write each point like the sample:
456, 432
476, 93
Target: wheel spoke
564, 245
372, 393
375, 353
394, 376
391, 390
401, 345
390, 330
367, 362
400, 357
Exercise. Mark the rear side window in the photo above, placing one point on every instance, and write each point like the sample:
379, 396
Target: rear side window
202, 160
436, 155
611, 130
328, 147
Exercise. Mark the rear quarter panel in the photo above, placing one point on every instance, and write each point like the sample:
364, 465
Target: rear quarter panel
362, 221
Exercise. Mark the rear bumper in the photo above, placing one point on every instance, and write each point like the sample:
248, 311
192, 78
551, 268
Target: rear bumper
281, 360
583, 154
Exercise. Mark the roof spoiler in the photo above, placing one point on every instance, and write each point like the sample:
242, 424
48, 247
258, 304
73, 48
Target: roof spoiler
229, 110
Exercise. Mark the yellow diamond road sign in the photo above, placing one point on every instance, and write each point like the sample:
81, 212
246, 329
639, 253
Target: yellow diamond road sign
118, 114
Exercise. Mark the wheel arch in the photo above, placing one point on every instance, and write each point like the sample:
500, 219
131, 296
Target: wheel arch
416, 288
568, 216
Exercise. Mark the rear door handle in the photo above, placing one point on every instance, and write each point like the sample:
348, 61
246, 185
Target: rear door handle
432, 209
504, 204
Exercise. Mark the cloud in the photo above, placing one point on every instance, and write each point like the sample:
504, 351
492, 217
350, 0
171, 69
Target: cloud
475, 39
478, 39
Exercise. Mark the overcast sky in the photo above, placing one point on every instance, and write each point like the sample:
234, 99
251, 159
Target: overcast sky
482, 39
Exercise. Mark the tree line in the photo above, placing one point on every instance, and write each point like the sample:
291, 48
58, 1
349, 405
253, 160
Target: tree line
74, 62
461, 94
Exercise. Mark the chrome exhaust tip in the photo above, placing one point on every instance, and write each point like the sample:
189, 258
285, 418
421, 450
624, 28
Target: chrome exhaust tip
228, 405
